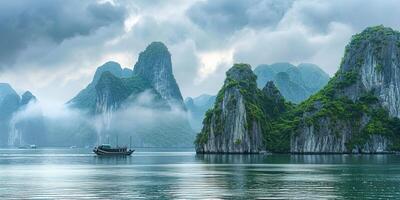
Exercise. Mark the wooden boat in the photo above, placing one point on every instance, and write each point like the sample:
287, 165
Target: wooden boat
32, 146
107, 150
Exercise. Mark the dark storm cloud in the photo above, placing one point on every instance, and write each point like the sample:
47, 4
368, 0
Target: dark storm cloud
53, 21
224, 16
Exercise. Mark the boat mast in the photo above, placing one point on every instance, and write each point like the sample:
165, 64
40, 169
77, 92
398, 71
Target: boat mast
130, 142
20, 140
117, 140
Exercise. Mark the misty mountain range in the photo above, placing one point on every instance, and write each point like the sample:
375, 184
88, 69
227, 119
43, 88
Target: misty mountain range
145, 103
295, 83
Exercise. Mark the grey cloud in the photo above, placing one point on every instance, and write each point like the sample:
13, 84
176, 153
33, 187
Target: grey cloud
23, 23
225, 16
268, 47
318, 15
149, 29
73, 37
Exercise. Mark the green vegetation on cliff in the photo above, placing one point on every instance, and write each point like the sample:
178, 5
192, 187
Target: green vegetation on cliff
86, 98
259, 107
352, 108
333, 101
118, 91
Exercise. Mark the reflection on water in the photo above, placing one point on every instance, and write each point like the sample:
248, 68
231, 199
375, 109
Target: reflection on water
181, 174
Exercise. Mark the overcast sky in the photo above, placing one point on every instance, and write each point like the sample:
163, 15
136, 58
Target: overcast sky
53, 47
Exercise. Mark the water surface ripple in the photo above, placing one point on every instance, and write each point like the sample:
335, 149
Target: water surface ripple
181, 174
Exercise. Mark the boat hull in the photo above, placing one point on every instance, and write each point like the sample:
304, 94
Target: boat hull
101, 152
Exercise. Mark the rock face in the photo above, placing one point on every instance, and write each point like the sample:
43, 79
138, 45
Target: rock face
86, 99
9, 101
292, 91
9, 104
295, 83
139, 103
17, 126
152, 123
112, 92
314, 77
358, 110
274, 94
28, 126
240, 115
154, 65
26, 98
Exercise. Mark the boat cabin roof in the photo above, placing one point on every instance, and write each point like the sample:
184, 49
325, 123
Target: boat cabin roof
105, 146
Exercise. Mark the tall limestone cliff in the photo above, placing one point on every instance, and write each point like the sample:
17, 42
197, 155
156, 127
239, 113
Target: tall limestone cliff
139, 103
358, 111
152, 123
112, 92
154, 65
9, 101
9, 104
86, 99
240, 116
295, 83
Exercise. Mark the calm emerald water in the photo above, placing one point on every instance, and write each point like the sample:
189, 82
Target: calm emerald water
180, 174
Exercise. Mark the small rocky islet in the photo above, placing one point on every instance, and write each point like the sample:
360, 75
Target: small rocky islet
356, 112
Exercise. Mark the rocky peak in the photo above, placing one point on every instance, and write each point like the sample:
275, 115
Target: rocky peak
379, 42
272, 91
155, 66
372, 64
358, 110
240, 72
237, 121
110, 66
27, 97
9, 101
86, 98
6, 89
241, 76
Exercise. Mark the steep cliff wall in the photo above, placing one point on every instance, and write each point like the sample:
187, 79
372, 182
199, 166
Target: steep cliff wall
154, 65
359, 108
114, 101
240, 116
9, 103
85, 100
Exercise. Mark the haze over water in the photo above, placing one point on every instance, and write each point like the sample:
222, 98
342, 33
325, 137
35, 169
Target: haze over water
181, 174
